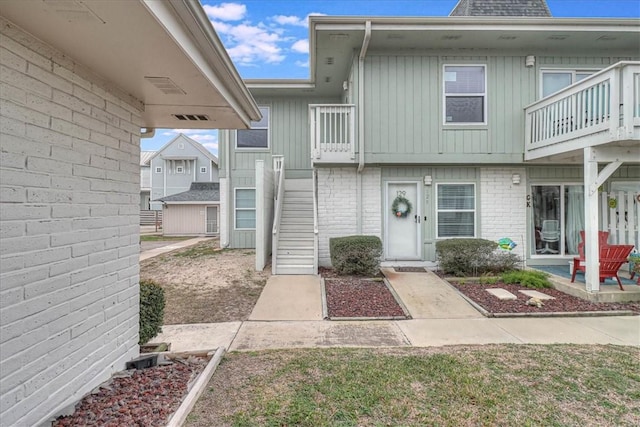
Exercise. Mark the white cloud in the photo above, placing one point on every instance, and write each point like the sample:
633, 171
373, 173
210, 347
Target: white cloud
295, 20
301, 46
211, 146
226, 11
303, 64
248, 44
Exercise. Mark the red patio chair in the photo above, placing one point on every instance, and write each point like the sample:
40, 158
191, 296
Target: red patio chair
612, 257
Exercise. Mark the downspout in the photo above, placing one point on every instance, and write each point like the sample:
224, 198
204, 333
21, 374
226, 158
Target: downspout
361, 57
227, 184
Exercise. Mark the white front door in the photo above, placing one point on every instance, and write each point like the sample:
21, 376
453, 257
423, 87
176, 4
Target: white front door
212, 219
402, 221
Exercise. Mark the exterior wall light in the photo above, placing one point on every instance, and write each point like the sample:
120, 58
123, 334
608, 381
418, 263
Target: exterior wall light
530, 61
515, 178
427, 180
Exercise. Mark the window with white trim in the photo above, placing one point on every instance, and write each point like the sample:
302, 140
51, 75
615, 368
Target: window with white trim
258, 136
158, 169
203, 169
555, 80
179, 169
465, 94
456, 210
245, 208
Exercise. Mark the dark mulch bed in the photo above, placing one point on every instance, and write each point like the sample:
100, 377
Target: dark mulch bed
137, 397
353, 296
562, 302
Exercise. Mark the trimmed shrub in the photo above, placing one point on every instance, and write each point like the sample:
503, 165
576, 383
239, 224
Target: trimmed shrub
358, 255
473, 257
527, 278
151, 310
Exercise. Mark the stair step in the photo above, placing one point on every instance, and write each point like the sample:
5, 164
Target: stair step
296, 234
295, 252
298, 220
286, 226
294, 260
295, 243
295, 269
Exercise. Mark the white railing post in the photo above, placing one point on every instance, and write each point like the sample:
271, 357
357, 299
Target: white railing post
278, 169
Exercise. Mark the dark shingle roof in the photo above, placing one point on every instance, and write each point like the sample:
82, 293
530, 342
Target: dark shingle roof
199, 192
501, 8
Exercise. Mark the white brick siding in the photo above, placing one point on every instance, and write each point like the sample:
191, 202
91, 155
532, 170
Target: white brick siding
503, 206
337, 206
69, 180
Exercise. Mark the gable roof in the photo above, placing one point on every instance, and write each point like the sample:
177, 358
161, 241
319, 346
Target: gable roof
198, 192
145, 157
501, 8
164, 55
188, 140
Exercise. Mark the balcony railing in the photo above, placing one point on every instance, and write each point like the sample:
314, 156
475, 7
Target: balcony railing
332, 128
602, 108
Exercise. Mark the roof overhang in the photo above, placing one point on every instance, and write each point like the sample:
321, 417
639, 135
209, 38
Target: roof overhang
165, 54
335, 41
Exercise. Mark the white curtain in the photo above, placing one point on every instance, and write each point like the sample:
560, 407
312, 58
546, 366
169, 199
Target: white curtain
574, 216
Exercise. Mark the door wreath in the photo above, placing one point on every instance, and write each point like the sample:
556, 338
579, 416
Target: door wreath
401, 207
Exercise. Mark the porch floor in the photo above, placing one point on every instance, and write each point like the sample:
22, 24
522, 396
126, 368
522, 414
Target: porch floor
609, 290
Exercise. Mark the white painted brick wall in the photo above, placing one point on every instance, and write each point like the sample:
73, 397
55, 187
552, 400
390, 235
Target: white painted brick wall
503, 206
337, 206
69, 180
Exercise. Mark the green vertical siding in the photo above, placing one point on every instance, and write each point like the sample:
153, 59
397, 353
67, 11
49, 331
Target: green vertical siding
404, 102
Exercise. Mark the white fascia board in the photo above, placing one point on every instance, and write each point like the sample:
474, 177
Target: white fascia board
186, 23
280, 84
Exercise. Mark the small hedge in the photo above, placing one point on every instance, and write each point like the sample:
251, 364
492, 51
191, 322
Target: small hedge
151, 310
357, 255
527, 278
473, 257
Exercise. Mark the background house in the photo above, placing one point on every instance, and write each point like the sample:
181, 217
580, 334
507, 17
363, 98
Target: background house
176, 165
145, 180
192, 212
70, 179
488, 125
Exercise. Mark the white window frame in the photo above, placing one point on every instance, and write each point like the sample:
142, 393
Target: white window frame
572, 71
236, 208
268, 129
474, 210
179, 169
484, 95
158, 169
203, 169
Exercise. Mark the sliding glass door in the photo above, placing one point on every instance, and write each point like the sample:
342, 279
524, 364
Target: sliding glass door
558, 218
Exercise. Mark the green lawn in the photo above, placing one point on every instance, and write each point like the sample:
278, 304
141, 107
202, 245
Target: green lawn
508, 385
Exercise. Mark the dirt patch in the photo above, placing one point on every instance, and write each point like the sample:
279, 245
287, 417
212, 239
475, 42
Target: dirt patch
562, 302
205, 285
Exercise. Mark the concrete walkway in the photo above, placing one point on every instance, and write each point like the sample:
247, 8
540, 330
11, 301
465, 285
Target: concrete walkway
178, 244
288, 315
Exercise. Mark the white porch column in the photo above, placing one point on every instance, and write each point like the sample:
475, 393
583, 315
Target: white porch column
591, 251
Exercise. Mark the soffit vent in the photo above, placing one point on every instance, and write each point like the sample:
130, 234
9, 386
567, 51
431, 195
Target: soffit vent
445, 37
507, 38
329, 60
192, 117
558, 37
165, 85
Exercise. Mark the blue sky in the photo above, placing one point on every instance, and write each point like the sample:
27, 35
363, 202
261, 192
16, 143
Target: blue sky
270, 38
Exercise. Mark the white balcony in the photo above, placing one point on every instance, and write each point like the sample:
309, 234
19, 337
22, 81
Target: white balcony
601, 109
333, 135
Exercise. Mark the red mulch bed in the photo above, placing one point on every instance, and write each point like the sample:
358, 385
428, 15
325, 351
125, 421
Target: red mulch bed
137, 397
353, 296
562, 303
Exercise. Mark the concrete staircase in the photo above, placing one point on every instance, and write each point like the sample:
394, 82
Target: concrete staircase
295, 243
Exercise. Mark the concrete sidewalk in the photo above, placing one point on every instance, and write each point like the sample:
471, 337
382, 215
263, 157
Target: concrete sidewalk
288, 315
172, 246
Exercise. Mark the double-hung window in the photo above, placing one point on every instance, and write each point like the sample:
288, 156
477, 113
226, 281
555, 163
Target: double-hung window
456, 210
465, 94
245, 208
257, 137
555, 80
